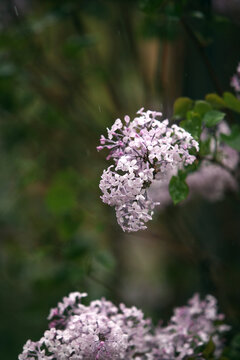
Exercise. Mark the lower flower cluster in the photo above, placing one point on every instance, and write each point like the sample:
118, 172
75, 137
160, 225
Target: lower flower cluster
102, 331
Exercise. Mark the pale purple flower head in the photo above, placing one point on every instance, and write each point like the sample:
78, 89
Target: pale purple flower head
189, 328
102, 331
211, 181
99, 331
142, 150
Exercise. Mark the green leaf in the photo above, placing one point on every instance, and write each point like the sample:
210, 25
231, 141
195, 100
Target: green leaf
213, 117
233, 139
178, 187
181, 106
231, 101
202, 107
193, 124
209, 349
205, 147
215, 101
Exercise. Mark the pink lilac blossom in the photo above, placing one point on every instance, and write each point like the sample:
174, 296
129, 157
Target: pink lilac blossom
190, 327
142, 150
212, 180
235, 81
102, 331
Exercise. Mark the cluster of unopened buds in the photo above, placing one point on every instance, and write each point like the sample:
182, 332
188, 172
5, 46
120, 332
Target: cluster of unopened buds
235, 81
102, 331
143, 150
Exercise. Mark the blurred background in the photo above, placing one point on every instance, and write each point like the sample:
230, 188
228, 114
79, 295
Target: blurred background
68, 69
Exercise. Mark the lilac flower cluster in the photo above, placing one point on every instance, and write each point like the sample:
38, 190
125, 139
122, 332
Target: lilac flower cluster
235, 81
103, 331
100, 331
143, 149
190, 327
212, 179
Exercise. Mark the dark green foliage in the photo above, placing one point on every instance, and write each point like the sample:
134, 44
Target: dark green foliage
231, 102
215, 100
202, 107
181, 107
205, 147
213, 117
193, 124
178, 187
